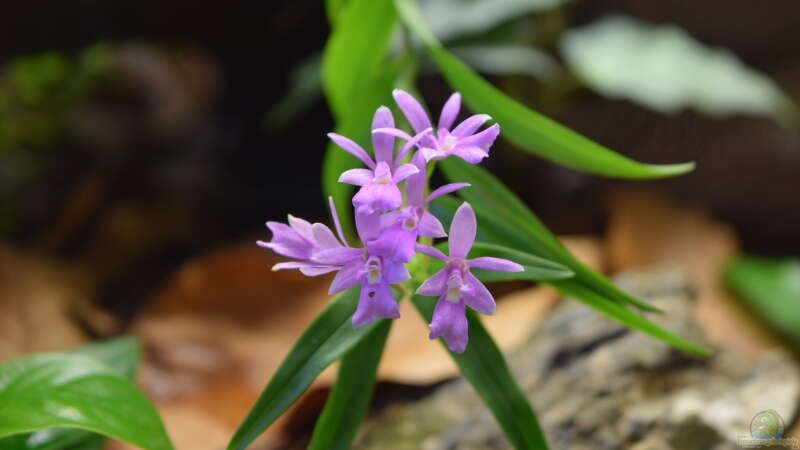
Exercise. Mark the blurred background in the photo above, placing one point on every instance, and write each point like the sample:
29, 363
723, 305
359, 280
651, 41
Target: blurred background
143, 145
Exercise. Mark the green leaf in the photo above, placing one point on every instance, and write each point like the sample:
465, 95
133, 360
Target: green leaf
484, 366
524, 127
667, 70
505, 220
771, 287
332, 10
356, 81
329, 336
76, 391
120, 355
305, 86
350, 397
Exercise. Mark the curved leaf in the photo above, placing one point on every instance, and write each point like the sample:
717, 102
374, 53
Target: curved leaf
76, 391
484, 366
350, 397
524, 127
329, 336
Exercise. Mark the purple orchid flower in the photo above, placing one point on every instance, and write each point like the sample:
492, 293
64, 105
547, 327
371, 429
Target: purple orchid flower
455, 285
379, 191
461, 141
401, 228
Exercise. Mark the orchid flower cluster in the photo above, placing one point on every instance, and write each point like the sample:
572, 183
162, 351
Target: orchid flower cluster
391, 214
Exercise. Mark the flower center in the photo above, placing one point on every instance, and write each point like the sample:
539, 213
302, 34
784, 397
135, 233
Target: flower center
449, 143
454, 287
383, 180
373, 268
409, 224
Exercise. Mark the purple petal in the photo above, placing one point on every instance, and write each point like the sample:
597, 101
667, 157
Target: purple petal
324, 236
375, 301
436, 285
392, 131
430, 226
291, 265
336, 222
470, 125
473, 155
351, 147
421, 138
395, 244
483, 140
415, 185
313, 271
368, 225
446, 189
495, 264
450, 322
462, 231
433, 252
346, 278
430, 154
382, 144
356, 177
396, 272
476, 296
302, 227
450, 111
287, 242
403, 172
413, 111
378, 197
337, 256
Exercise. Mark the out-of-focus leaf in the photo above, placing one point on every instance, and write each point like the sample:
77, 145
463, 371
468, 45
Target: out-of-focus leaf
332, 10
484, 366
121, 355
450, 19
304, 87
510, 223
356, 81
524, 127
508, 59
329, 336
349, 399
72, 390
665, 69
772, 289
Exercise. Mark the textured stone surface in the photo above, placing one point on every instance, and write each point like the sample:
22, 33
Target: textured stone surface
598, 386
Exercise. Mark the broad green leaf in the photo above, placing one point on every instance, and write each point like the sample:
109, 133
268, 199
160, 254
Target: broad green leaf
350, 397
509, 222
662, 67
771, 287
332, 10
484, 366
120, 355
356, 81
71, 390
536, 267
329, 336
451, 19
524, 127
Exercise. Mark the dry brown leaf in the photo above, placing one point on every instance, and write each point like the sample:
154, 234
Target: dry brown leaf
648, 229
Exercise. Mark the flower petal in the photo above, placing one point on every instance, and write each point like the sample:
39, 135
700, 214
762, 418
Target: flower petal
450, 111
435, 285
495, 264
336, 223
382, 144
470, 125
368, 225
302, 227
446, 189
423, 138
430, 226
351, 147
375, 301
462, 231
483, 140
346, 278
324, 237
395, 244
403, 172
313, 271
433, 252
472, 155
378, 197
396, 272
336, 256
356, 177
412, 110
450, 322
477, 297
415, 184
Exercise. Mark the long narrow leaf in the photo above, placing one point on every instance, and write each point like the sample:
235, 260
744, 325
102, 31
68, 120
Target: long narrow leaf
484, 366
329, 336
524, 127
350, 397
